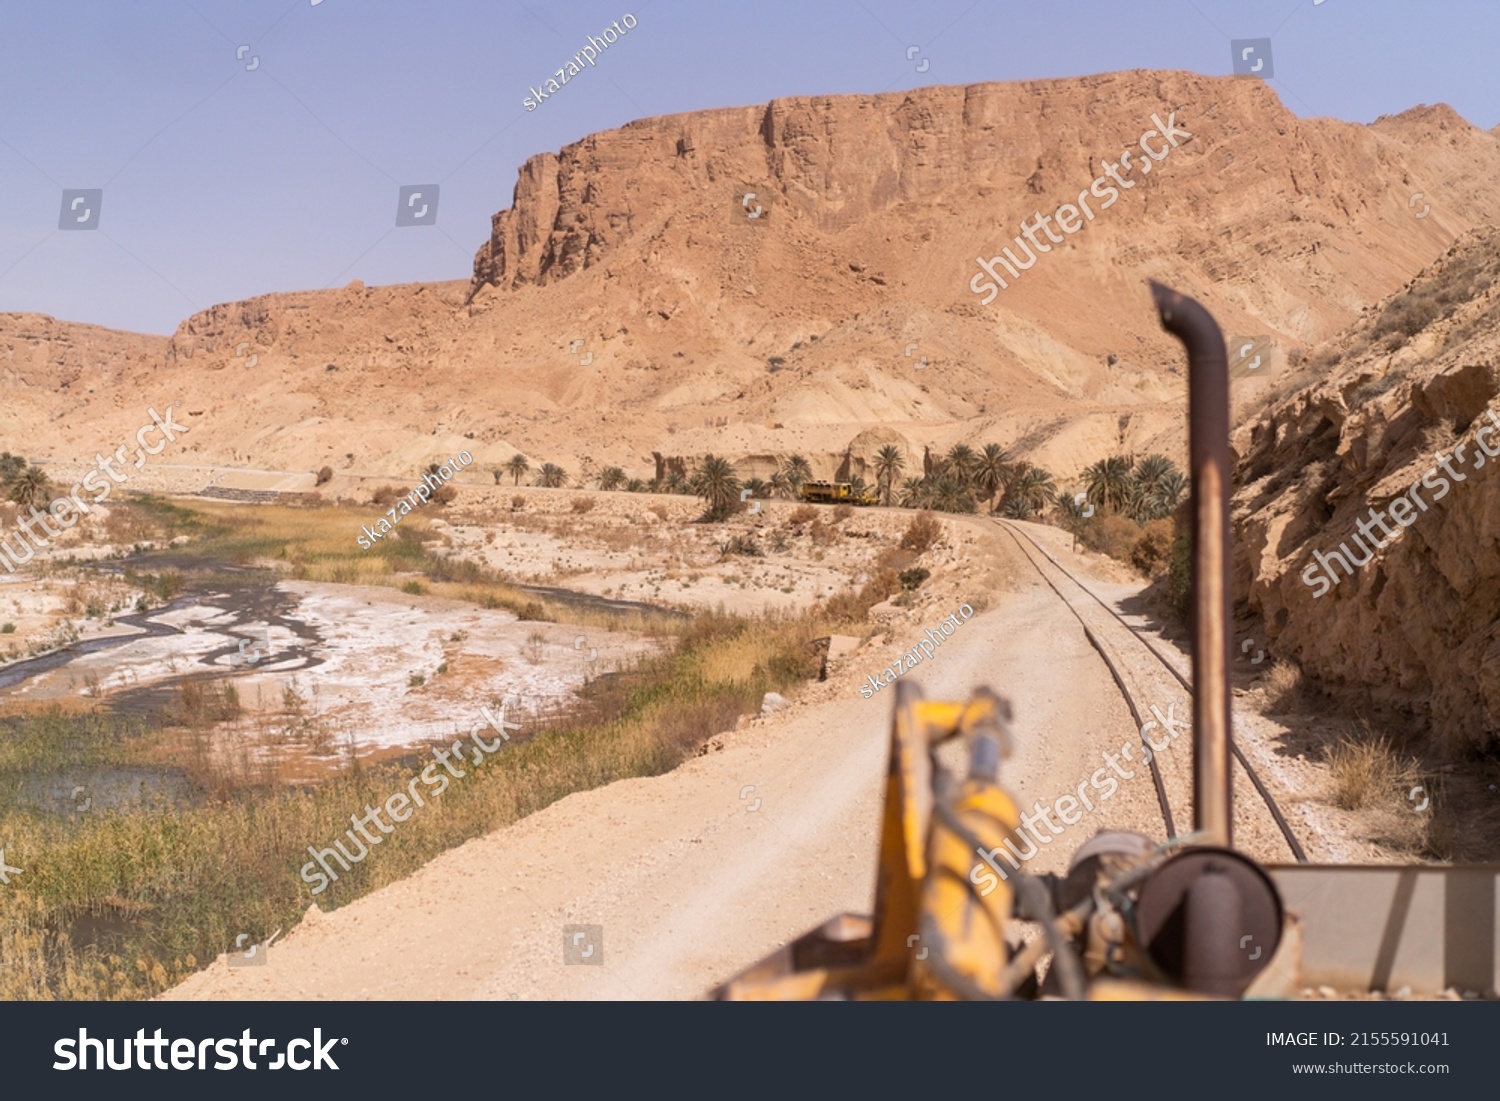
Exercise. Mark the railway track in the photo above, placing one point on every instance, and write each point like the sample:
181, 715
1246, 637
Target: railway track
1105, 635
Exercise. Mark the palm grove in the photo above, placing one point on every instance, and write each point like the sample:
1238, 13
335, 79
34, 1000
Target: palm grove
963, 480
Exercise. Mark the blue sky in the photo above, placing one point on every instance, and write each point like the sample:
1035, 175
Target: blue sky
230, 172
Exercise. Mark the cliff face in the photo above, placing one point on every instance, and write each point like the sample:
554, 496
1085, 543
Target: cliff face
43, 355
58, 379
1410, 412
626, 304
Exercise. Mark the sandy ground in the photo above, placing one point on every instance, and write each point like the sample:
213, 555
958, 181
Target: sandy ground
689, 877
648, 547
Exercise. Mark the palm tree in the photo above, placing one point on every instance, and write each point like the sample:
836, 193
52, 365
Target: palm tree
1159, 485
757, 488
611, 478
1151, 470
498, 472
1109, 483
10, 467
30, 487
1018, 508
716, 482
889, 463
950, 494
1169, 490
1034, 486
961, 463
992, 472
915, 493
518, 466
553, 476
675, 483
635, 485
796, 471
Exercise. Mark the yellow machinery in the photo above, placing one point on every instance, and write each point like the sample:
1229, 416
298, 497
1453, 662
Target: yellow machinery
923, 879
1128, 920
833, 493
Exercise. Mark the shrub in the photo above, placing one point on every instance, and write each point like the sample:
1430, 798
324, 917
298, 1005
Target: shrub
741, 544
803, 514
8, 629
660, 510
416, 680
415, 588
1152, 552
325, 475
444, 495
853, 606
842, 513
912, 578
386, 495
1460, 281
1111, 534
1180, 573
1283, 685
922, 533
823, 534
517, 503
1369, 772
581, 505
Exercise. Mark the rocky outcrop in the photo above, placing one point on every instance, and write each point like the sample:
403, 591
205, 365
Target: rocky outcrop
668, 465
862, 455
1407, 415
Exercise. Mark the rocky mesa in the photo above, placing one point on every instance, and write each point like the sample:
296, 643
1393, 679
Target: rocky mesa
626, 305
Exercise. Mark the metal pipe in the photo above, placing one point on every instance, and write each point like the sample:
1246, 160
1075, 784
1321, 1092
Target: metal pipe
1208, 448
1210, 964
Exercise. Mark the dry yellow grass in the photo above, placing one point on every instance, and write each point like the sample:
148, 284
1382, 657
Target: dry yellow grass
1283, 686
1368, 772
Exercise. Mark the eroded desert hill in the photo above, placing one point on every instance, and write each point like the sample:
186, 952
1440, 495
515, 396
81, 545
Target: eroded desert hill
703, 329
1404, 421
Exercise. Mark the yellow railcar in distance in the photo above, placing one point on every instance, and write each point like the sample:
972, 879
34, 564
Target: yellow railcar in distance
836, 493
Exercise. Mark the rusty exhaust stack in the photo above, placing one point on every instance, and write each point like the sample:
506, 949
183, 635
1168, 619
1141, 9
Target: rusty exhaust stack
1208, 447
